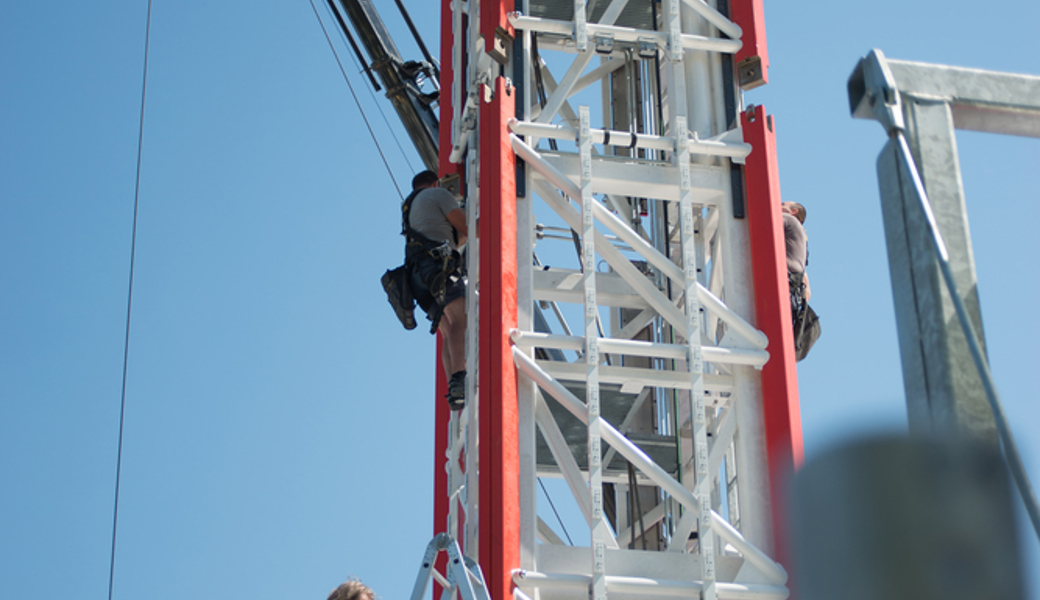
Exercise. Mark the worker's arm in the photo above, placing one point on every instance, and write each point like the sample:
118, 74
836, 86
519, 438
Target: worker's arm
457, 218
805, 280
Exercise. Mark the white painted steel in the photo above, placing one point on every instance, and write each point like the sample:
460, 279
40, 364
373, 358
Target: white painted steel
518, 594
468, 150
624, 268
681, 532
527, 392
458, 83
546, 535
625, 425
644, 463
695, 362
581, 30
648, 167
597, 522
652, 517
564, 459
597, 74
560, 285
470, 417
753, 336
461, 132
637, 177
723, 439
625, 34
738, 356
636, 378
635, 325
708, 147
645, 586
715, 18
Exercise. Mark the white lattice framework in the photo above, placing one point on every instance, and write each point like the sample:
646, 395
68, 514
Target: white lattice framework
652, 360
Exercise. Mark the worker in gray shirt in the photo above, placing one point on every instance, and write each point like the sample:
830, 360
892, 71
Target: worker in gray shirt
435, 226
796, 241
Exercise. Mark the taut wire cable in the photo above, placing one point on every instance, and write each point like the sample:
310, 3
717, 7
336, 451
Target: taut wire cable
356, 101
553, 506
379, 107
129, 302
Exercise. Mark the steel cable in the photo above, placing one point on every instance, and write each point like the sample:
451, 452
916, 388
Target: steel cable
553, 506
364, 68
356, 101
129, 302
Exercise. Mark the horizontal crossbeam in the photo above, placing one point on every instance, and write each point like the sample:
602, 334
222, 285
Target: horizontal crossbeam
625, 34
770, 568
646, 586
734, 356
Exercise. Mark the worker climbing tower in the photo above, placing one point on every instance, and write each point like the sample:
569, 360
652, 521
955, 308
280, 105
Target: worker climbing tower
628, 302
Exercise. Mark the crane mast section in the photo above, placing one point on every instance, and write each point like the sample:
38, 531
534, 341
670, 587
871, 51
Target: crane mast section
631, 330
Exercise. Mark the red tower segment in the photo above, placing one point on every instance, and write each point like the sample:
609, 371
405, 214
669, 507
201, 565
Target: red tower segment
499, 465
783, 425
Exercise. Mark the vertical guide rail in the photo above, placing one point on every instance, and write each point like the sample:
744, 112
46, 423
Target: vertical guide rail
695, 362
472, 417
499, 526
527, 392
588, 266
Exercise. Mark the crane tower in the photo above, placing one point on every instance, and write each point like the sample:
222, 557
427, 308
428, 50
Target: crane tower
628, 302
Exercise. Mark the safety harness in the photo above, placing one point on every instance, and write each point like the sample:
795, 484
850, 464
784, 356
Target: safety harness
419, 249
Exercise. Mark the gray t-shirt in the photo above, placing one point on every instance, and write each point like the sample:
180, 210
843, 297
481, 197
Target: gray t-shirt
794, 240
428, 214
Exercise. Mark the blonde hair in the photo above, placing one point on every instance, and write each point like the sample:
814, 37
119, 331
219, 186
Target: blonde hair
352, 590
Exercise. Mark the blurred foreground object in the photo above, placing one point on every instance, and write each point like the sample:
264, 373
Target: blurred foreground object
900, 518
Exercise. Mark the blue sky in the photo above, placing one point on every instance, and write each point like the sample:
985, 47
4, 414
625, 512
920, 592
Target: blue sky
278, 419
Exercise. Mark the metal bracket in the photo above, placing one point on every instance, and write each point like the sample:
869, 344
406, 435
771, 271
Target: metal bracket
873, 92
500, 47
604, 43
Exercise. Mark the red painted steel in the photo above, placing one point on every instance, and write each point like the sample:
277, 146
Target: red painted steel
440, 436
446, 101
750, 16
499, 527
494, 22
782, 416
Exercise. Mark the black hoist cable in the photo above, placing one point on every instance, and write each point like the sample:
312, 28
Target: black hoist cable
418, 40
356, 101
353, 44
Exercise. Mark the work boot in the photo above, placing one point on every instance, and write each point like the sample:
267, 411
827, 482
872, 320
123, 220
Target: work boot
457, 391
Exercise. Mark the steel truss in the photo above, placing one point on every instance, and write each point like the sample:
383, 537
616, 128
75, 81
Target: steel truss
647, 395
